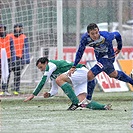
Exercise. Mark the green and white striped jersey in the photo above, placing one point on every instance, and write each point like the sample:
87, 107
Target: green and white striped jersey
53, 69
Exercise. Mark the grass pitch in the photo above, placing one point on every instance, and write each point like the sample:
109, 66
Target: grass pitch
50, 115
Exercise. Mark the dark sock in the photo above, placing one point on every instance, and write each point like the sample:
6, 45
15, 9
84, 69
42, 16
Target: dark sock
123, 77
90, 88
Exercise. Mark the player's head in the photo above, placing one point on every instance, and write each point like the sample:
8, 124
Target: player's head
42, 63
18, 29
2, 30
93, 31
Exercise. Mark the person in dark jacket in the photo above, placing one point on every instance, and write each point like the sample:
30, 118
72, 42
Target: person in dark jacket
7, 43
22, 55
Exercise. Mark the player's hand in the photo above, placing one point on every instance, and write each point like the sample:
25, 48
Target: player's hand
46, 95
117, 51
71, 71
29, 98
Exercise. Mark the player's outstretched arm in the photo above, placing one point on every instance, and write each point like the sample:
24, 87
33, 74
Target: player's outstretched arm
29, 98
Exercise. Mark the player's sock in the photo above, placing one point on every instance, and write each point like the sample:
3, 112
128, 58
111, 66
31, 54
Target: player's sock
95, 106
123, 77
90, 88
70, 93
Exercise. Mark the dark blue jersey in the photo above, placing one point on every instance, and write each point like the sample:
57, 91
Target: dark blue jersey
103, 47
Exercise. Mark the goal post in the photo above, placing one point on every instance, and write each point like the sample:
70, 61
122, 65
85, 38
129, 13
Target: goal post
43, 25
59, 30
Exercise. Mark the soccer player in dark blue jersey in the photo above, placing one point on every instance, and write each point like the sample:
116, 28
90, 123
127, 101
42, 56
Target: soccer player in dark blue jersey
101, 41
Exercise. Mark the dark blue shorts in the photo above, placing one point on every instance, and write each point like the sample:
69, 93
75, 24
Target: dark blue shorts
105, 65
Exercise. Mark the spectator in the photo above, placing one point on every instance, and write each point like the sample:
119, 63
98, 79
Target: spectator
7, 43
22, 55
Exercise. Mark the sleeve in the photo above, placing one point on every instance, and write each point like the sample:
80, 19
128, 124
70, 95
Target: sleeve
40, 86
118, 38
46, 76
80, 50
50, 69
12, 49
54, 89
26, 55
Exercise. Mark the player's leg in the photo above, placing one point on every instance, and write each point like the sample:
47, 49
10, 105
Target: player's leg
120, 75
91, 79
77, 78
98, 106
79, 82
81, 96
63, 81
81, 93
107, 66
98, 68
90, 88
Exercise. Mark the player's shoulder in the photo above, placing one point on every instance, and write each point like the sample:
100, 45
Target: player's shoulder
57, 62
52, 63
85, 35
105, 34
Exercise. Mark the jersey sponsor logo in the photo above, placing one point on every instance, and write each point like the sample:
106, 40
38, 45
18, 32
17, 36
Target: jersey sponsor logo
96, 43
101, 48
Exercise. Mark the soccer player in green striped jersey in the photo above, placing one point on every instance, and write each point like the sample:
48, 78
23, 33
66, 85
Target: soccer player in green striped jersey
52, 69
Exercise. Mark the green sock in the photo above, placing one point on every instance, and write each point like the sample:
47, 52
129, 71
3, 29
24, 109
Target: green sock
95, 106
70, 93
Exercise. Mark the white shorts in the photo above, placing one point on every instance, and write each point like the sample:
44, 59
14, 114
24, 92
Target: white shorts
79, 80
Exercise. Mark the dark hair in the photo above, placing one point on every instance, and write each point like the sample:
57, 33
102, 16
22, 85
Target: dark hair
42, 60
91, 26
18, 25
3, 26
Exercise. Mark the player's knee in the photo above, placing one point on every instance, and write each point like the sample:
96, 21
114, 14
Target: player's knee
113, 74
90, 75
58, 79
